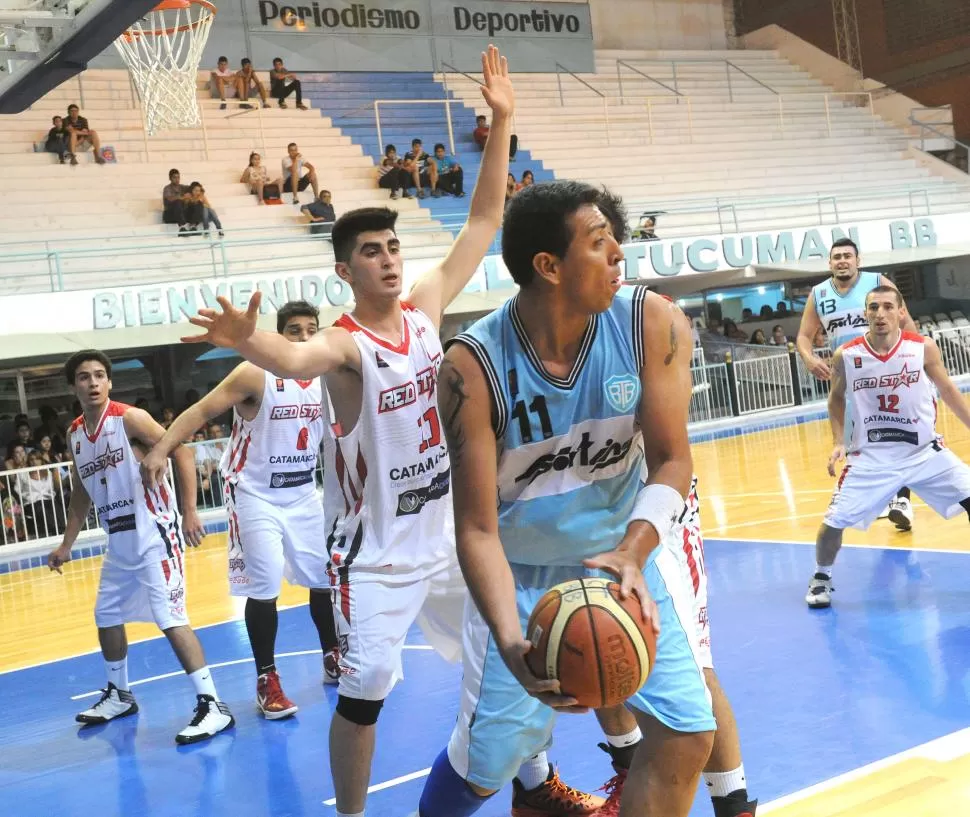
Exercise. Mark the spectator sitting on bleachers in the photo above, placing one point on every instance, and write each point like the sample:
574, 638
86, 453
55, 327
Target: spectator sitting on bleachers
294, 180
248, 80
391, 174
645, 229
451, 178
424, 172
765, 312
778, 337
758, 338
480, 134
746, 314
781, 311
39, 490
57, 140
24, 435
80, 134
16, 456
45, 447
731, 331
176, 207
281, 89
224, 82
527, 180
168, 417
11, 514
198, 198
320, 214
256, 175
511, 188
51, 425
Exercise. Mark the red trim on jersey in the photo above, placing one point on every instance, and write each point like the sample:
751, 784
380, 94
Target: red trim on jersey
842, 476
347, 322
167, 571
148, 502
304, 384
243, 454
113, 409
345, 600
164, 494
341, 468
76, 424
859, 341
886, 357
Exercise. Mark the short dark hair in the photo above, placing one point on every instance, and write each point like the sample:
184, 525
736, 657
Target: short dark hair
292, 145
777, 326
537, 220
296, 309
885, 289
246, 61
73, 105
389, 148
480, 116
438, 145
354, 222
416, 142
75, 360
277, 59
223, 59
173, 172
22, 424
844, 242
57, 116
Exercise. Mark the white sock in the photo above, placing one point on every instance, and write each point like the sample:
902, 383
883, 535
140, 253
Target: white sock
355, 814
202, 681
534, 772
118, 673
721, 784
630, 738
825, 571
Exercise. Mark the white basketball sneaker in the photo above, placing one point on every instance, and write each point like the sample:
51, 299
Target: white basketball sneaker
819, 592
901, 513
114, 703
211, 718
331, 667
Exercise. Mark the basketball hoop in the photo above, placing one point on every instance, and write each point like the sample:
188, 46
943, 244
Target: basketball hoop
162, 52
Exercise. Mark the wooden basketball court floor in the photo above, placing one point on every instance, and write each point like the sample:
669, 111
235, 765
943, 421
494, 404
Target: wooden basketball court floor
860, 710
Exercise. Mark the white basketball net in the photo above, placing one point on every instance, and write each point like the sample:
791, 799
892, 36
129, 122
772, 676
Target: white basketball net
162, 52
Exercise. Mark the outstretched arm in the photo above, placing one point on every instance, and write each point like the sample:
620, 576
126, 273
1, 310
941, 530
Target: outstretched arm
328, 350
949, 393
435, 290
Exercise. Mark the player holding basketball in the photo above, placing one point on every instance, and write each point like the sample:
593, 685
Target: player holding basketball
545, 399
838, 306
142, 576
387, 470
275, 518
883, 414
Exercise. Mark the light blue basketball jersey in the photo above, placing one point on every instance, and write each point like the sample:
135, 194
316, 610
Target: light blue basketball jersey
570, 452
843, 317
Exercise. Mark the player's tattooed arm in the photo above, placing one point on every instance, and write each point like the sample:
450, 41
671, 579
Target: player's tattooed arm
452, 396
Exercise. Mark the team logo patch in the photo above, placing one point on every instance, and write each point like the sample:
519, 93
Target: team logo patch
381, 363
622, 391
77, 447
858, 362
280, 386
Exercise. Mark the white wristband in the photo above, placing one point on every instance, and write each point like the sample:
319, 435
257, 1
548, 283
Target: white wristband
660, 505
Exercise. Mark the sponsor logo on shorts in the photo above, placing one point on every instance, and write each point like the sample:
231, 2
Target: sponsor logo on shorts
346, 669
120, 524
237, 565
892, 435
238, 580
176, 595
344, 644
177, 612
291, 480
411, 502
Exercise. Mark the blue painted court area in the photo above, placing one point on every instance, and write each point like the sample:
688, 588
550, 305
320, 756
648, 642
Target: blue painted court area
817, 693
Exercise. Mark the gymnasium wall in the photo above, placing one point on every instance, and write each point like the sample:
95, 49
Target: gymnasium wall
920, 48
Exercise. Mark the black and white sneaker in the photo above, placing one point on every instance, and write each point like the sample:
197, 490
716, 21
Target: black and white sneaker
114, 703
211, 717
819, 592
901, 513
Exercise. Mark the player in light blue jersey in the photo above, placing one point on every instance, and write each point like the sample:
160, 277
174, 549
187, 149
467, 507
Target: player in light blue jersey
838, 306
558, 399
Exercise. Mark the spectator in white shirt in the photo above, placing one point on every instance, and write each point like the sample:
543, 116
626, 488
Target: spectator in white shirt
295, 181
224, 82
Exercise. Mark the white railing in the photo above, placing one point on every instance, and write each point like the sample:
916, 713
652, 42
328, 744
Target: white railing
711, 395
954, 346
764, 382
445, 101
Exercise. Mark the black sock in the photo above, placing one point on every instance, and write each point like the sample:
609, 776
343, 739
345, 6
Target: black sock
734, 804
622, 756
261, 624
321, 611
902, 493
966, 505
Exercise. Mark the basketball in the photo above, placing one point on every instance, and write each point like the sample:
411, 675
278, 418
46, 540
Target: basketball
595, 643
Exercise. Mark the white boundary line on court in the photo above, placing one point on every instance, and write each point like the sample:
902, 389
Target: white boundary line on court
232, 663
388, 784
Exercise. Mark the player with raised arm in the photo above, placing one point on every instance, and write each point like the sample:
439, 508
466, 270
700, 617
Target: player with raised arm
545, 400
882, 409
142, 575
275, 518
838, 306
387, 474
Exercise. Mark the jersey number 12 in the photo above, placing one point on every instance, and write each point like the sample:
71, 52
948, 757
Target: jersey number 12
888, 403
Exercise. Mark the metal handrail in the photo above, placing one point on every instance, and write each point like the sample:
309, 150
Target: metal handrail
619, 78
925, 126
444, 101
457, 71
560, 69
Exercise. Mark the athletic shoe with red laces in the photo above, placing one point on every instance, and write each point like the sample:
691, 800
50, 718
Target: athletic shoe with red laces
552, 799
614, 791
271, 699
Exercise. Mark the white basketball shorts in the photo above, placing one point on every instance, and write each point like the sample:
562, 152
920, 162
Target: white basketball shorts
373, 615
687, 543
267, 542
153, 591
937, 475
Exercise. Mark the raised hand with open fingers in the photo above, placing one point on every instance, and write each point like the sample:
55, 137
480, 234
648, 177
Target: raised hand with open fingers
497, 90
230, 327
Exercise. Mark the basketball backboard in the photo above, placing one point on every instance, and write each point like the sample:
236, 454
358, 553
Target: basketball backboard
44, 43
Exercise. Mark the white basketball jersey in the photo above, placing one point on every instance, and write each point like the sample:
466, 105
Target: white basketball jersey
890, 405
387, 480
142, 525
274, 455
